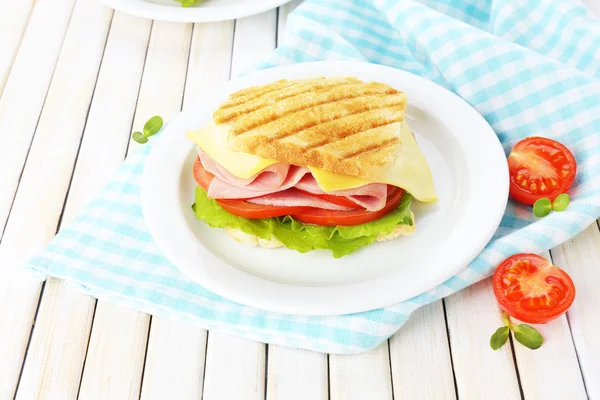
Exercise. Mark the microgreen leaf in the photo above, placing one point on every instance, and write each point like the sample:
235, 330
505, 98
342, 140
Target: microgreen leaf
528, 336
139, 137
188, 3
561, 202
153, 126
542, 207
499, 337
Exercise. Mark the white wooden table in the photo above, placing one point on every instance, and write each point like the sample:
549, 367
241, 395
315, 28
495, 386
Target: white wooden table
75, 79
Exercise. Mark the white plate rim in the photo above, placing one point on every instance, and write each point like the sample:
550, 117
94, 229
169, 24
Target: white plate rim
264, 294
210, 13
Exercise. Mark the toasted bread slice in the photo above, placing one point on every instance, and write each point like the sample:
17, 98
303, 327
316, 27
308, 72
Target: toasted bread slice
341, 125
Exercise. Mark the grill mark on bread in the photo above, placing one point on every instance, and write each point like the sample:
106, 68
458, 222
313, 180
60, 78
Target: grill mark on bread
305, 101
293, 123
357, 129
374, 147
357, 135
277, 104
268, 91
257, 91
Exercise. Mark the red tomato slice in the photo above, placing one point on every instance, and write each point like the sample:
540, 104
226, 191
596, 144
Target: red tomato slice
201, 176
531, 289
318, 216
244, 209
339, 200
540, 167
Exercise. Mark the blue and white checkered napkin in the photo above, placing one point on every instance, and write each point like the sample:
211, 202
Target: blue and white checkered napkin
530, 67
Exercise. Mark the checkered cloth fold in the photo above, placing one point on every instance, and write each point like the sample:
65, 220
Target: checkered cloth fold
530, 67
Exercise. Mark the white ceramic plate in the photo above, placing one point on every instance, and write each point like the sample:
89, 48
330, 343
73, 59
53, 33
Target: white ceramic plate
205, 11
471, 177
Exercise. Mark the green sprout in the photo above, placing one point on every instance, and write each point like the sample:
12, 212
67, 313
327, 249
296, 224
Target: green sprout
151, 128
525, 334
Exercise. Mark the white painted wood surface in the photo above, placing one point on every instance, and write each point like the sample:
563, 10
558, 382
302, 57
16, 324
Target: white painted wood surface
72, 64
473, 315
25, 91
361, 376
65, 108
13, 21
235, 369
57, 349
579, 257
295, 374
174, 366
538, 372
162, 56
431, 348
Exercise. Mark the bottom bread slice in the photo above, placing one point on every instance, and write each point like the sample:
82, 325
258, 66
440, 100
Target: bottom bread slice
253, 240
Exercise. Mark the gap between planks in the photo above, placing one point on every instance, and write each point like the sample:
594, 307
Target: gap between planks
235, 367
20, 110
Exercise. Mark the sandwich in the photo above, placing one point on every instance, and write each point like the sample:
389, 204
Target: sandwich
320, 163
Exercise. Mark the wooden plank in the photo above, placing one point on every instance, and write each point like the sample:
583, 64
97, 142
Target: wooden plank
283, 13
254, 39
55, 344
593, 5
538, 372
58, 346
420, 356
25, 91
13, 21
295, 374
174, 362
115, 358
580, 257
480, 372
210, 60
74, 337
361, 376
235, 368
33, 224
176, 352
163, 81
160, 93
75, 324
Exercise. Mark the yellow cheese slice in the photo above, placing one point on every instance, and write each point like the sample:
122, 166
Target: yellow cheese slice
242, 165
331, 182
410, 170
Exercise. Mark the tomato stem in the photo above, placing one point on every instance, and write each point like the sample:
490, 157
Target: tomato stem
506, 320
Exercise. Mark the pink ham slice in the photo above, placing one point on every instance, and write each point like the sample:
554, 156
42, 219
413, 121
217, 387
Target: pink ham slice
372, 196
283, 185
221, 189
293, 197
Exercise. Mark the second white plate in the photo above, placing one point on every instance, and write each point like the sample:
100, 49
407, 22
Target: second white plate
471, 177
204, 11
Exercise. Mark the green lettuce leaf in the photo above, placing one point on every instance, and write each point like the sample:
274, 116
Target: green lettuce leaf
188, 3
341, 240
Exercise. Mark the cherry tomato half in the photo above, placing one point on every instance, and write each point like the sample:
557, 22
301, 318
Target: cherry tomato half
531, 289
540, 167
